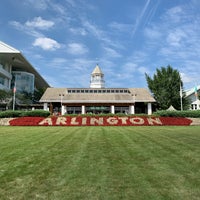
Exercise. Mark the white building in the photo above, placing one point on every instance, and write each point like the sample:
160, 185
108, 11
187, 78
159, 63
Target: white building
193, 97
14, 64
97, 98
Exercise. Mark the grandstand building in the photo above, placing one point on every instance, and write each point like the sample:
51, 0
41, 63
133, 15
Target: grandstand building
15, 69
97, 98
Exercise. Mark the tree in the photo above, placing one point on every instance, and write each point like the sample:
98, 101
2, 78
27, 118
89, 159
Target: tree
165, 87
5, 98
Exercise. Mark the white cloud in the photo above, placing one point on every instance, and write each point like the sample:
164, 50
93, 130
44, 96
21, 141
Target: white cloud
37, 4
143, 70
77, 49
93, 29
152, 33
174, 14
39, 23
185, 78
175, 37
78, 31
46, 43
120, 26
25, 29
111, 52
99, 34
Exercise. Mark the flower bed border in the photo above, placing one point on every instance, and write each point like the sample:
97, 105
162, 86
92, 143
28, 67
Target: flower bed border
99, 121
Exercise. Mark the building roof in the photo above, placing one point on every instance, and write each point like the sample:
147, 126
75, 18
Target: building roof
191, 91
20, 63
97, 70
5, 48
101, 95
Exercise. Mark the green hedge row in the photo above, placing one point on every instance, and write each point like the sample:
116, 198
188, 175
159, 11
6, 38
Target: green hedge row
185, 113
42, 113
104, 115
17, 113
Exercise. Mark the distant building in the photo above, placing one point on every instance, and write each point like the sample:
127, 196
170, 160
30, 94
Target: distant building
97, 98
193, 96
15, 69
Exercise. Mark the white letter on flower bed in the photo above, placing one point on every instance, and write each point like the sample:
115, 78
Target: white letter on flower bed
97, 121
61, 121
73, 121
123, 119
84, 121
46, 121
152, 121
137, 120
112, 120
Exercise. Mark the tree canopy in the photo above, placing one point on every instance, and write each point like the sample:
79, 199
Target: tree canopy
165, 87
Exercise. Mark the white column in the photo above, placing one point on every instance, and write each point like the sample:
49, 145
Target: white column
63, 110
112, 109
132, 109
45, 106
82, 109
149, 108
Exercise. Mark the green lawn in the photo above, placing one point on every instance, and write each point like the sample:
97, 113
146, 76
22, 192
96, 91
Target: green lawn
102, 163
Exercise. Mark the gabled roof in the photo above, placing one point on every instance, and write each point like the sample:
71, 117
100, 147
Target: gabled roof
97, 70
191, 91
134, 95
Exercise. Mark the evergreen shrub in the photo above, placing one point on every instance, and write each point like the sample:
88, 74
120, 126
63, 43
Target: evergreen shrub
176, 113
20, 113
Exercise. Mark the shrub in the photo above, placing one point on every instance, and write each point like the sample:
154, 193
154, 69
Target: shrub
33, 113
10, 114
185, 113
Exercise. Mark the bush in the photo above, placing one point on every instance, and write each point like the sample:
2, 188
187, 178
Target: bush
10, 114
185, 113
33, 113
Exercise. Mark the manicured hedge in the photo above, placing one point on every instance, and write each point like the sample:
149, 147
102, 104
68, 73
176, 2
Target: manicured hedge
10, 114
185, 113
32, 113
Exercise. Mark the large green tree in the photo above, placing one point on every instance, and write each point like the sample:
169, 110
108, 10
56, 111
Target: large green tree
165, 87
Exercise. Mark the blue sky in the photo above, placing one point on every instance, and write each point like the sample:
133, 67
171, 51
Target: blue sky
64, 39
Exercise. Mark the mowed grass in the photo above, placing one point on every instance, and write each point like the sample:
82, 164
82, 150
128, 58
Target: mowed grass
100, 163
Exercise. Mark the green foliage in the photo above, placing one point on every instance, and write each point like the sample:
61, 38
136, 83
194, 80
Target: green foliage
35, 113
38, 94
165, 87
10, 114
186, 113
105, 115
32, 113
3, 95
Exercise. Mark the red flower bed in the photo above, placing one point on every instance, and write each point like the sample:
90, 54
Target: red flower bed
100, 121
26, 121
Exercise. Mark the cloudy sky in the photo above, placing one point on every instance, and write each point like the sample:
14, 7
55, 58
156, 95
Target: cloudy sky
65, 39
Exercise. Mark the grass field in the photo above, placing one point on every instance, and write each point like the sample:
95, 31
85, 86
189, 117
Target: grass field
105, 163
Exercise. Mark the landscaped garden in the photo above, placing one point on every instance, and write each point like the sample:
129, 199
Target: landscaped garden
43, 118
98, 162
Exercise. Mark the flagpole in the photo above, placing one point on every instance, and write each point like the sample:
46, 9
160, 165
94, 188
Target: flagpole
14, 90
